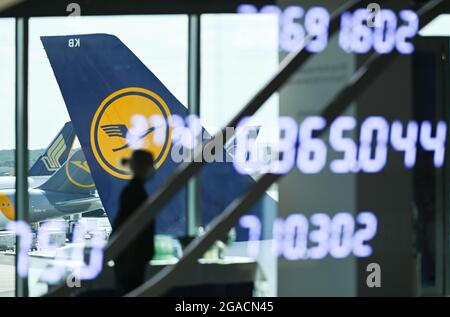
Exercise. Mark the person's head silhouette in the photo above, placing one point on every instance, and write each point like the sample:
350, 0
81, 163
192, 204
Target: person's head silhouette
141, 164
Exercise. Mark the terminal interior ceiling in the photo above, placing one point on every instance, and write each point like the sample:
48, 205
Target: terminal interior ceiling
299, 148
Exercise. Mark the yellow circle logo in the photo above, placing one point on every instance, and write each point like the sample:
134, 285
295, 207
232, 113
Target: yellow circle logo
113, 136
78, 171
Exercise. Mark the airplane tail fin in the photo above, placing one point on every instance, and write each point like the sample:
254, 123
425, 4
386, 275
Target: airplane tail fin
73, 177
106, 87
56, 153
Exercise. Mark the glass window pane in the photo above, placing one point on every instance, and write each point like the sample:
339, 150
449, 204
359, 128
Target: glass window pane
239, 53
68, 195
7, 156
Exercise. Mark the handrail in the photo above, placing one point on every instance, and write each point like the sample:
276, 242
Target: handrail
361, 79
7, 4
167, 277
145, 214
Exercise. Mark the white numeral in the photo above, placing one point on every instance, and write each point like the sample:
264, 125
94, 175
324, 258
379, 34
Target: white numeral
312, 153
376, 163
407, 144
436, 144
369, 220
348, 163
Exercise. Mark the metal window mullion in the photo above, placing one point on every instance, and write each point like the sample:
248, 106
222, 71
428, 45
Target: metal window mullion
193, 217
21, 151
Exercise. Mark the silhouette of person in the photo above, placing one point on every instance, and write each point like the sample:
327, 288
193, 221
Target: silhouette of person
130, 265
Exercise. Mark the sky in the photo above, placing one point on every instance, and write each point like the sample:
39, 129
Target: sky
233, 47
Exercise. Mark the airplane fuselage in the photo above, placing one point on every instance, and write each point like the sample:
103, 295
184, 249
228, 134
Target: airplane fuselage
9, 182
46, 205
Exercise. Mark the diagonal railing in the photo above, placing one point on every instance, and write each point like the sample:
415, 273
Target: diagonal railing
169, 276
145, 214
362, 78
143, 217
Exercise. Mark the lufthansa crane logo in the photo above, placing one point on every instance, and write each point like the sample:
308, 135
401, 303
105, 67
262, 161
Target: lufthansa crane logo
78, 171
111, 125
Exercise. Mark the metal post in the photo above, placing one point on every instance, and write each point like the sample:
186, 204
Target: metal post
21, 152
193, 217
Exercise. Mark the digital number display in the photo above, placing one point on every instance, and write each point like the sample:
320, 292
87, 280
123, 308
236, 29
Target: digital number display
23, 231
301, 238
357, 34
54, 273
363, 148
310, 154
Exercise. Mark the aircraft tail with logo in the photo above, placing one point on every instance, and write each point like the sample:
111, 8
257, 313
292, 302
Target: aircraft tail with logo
73, 177
56, 153
108, 90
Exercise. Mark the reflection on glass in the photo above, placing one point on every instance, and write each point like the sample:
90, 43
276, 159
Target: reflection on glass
240, 53
7, 158
68, 220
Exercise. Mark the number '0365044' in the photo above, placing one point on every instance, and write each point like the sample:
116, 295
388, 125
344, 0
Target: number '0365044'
289, 144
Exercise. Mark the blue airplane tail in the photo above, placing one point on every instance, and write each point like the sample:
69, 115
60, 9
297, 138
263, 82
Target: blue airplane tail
56, 153
106, 88
73, 177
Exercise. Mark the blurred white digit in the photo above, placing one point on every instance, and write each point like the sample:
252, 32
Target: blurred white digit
286, 137
435, 144
370, 222
320, 235
362, 37
339, 143
368, 161
407, 144
317, 21
312, 153
253, 224
23, 231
